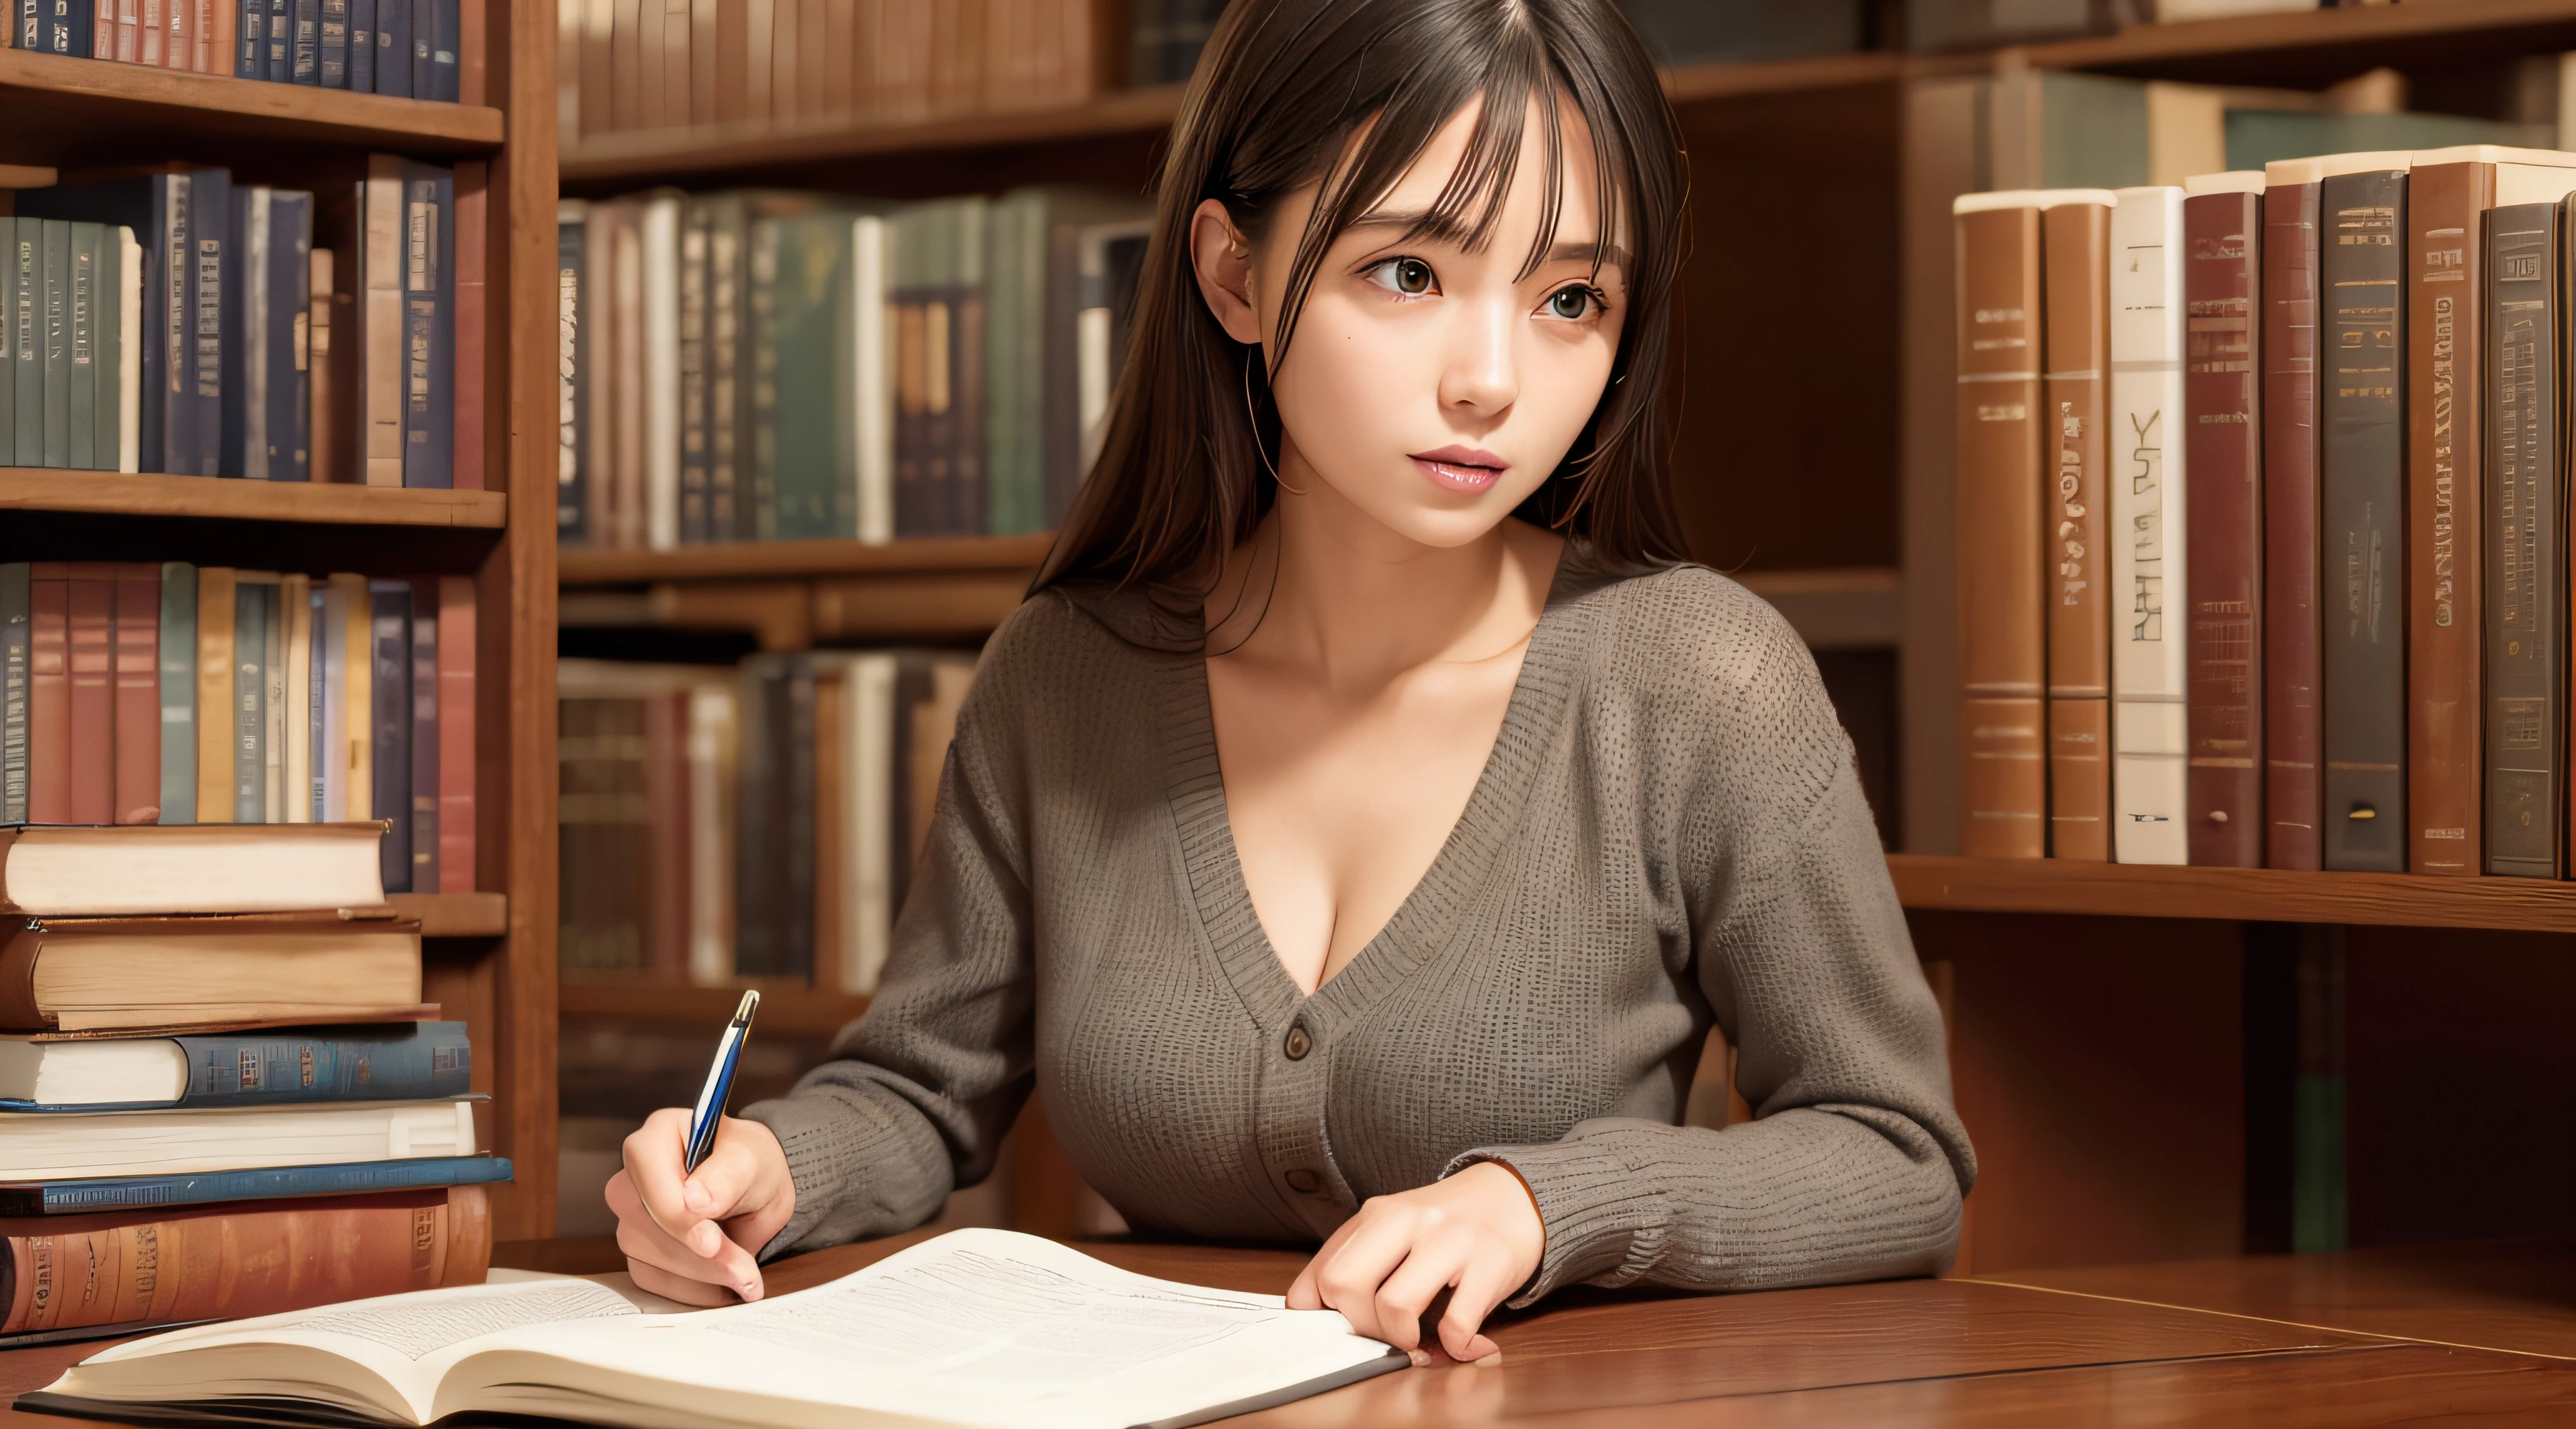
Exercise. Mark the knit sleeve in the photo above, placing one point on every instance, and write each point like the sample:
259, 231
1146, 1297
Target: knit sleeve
917, 1094
1855, 1165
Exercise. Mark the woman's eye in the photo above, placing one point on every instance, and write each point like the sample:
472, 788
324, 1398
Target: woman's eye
1571, 304
1409, 276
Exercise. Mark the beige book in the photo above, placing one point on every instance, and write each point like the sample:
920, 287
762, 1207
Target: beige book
214, 694
62, 1146
297, 594
357, 715
321, 393
380, 354
73, 870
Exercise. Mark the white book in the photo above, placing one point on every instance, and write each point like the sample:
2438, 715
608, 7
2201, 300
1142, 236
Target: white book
712, 742
975, 1327
867, 705
253, 371
872, 373
70, 1146
129, 352
661, 241
295, 711
2148, 624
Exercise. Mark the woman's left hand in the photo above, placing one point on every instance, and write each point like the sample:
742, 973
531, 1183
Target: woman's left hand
1477, 1235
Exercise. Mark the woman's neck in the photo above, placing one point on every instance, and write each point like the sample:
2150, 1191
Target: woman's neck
1358, 604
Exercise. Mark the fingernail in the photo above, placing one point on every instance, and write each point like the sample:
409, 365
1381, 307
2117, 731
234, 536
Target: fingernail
695, 1195
749, 1290
1420, 1358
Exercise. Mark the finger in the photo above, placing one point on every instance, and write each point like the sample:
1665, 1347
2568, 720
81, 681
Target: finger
730, 1180
1485, 1283
1348, 1281
1409, 1291
1303, 1293
732, 1268
654, 1280
653, 1161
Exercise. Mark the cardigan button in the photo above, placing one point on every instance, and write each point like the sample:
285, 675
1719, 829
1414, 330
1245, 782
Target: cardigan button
1297, 1046
1304, 1182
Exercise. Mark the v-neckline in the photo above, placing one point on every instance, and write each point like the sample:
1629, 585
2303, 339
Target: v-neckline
1419, 926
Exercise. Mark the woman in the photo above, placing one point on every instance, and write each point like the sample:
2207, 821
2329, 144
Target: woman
1355, 834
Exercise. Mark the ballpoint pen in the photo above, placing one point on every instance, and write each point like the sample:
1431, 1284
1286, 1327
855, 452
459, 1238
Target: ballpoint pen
719, 1088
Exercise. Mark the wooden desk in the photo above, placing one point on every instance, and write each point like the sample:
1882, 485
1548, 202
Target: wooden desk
1932, 1352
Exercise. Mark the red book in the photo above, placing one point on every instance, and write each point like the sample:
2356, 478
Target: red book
93, 694
472, 186
455, 734
2293, 728
2222, 224
138, 694
49, 693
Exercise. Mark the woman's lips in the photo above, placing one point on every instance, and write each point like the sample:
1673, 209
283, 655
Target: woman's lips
1461, 468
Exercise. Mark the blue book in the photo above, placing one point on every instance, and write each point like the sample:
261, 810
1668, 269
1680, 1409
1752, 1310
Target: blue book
332, 70
429, 325
67, 27
250, 58
305, 65
393, 47
63, 1198
280, 66
210, 206
402, 1061
362, 46
389, 624
442, 39
27, 24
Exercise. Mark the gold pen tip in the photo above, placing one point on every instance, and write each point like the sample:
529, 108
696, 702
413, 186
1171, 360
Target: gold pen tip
750, 1005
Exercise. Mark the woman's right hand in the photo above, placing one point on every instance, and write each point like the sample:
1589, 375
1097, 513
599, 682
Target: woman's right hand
692, 1237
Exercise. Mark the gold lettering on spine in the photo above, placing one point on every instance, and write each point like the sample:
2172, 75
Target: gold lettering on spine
2070, 522
2445, 465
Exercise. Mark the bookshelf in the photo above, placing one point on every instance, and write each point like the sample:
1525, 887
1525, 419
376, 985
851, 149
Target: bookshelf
489, 953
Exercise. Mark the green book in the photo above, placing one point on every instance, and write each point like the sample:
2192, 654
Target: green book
83, 320
107, 444
25, 293
814, 478
55, 313
8, 341
178, 692
1015, 365
251, 601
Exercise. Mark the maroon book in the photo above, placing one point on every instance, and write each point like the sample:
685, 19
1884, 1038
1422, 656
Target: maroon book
138, 694
2223, 435
92, 663
2293, 729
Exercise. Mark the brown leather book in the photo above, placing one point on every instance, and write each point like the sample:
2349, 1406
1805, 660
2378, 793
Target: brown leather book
456, 725
49, 693
137, 740
125, 974
237, 1261
324, 391
2223, 472
214, 692
732, 73
2293, 730
92, 665
473, 213
2075, 363
2002, 634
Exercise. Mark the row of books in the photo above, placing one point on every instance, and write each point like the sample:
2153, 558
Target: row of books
409, 48
179, 694
175, 322
763, 365
221, 1094
2288, 586
630, 64
769, 815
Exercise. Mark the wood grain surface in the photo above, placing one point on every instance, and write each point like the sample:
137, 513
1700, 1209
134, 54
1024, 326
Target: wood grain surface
2048, 885
782, 560
65, 110
320, 503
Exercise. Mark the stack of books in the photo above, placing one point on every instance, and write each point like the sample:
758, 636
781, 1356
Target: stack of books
2263, 516
773, 365
177, 322
769, 815
220, 1092
133, 693
411, 48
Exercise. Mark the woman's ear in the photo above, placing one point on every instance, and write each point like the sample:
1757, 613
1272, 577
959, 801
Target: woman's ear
1224, 264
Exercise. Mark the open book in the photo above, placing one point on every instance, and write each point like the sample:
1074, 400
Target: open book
976, 1327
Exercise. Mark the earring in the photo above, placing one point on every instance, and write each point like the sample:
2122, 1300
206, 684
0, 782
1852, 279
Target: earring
1252, 415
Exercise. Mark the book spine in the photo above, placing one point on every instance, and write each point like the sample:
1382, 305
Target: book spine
2074, 363
91, 662
695, 494
235, 1262
2223, 456
211, 198
109, 278
445, 43
760, 514
362, 46
2149, 508
138, 738
391, 706
9, 336
250, 44
380, 320
291, 686
812, 292
305, 63
471, 320
250, 700
969, 509
425, 1061
456, 726
357, 696
75, 29
150, 34
873, 396
2002, 633
572, 381
713, 735
2525, 513
33, 1198
14, 673
179, 48
322, 387
2361, 485
2444, 588
660, 233
332, 63
53, 318
726, 388
177, 692
424, 735
49, 694
2293, 728
287, 336
245, 384
393, 47
429, 334
218, 616
80, 339
25, 291
128, 351
279, 67
26, 30
795, 802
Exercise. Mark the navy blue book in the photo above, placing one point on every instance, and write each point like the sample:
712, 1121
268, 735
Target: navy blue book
250, 60
290, 288
210, 203
64, 1198
424, 735
66, 29
305, 66
27, 23
403, 1061
362, 46
156, 207
332, 65
389, 623
429, 325
266, 289
280, 65
393, 47
572, 359
444, 38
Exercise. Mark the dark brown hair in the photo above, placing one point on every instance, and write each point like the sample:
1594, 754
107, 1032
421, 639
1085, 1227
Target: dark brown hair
1280, 93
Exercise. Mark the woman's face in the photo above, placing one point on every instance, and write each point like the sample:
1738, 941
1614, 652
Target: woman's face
1431, 387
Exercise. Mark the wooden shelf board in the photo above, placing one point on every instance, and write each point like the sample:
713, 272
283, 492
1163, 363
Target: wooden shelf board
74, 91
315, 503
1691, 83
2048, 885
2361, 25
456, 915
798, 560
784, 1009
